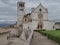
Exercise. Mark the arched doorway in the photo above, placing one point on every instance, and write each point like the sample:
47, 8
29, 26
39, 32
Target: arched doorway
40, 25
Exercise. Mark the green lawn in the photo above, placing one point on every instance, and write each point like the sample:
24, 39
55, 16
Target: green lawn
52, 34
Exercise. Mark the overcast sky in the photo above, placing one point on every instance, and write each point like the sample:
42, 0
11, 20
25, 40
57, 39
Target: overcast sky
8, 9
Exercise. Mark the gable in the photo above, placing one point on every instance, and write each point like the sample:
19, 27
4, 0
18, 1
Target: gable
40, 8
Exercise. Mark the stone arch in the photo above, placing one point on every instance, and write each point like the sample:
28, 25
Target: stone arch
26, 20
40, 25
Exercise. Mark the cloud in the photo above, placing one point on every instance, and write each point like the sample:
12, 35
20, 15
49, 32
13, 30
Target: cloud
9, 2
8, 8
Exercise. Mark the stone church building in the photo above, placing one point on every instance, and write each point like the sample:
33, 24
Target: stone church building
36, 20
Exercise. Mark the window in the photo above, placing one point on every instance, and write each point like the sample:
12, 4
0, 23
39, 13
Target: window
21, 5
25, 19
21, 9
40, 9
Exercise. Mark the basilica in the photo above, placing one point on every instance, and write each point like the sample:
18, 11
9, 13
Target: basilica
37, 19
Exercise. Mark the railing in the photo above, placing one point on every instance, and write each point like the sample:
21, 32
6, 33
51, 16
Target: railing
29, 38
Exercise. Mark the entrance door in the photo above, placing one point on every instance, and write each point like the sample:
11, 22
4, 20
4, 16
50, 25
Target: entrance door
40, 25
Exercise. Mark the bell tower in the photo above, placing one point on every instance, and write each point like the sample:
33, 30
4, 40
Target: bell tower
20, 13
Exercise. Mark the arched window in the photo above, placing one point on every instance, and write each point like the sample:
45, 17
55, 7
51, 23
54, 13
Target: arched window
25, 20
21, 5
21, 9
40, 9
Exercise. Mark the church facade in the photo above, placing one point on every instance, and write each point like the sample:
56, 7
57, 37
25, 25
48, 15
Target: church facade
36, 20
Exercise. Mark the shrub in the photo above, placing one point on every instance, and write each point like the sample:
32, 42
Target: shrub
52, 34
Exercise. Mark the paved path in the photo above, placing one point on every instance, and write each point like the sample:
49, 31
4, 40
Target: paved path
4, 41
39, 39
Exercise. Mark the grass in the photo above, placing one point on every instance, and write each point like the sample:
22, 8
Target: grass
52, 34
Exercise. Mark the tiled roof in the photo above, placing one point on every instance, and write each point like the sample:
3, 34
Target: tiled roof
27, 14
